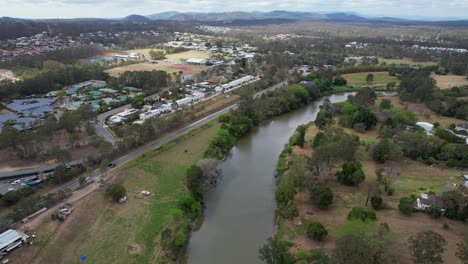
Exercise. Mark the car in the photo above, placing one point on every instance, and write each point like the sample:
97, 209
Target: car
111, 165
11, 189
15, 182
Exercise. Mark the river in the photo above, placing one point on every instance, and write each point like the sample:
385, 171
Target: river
239, 212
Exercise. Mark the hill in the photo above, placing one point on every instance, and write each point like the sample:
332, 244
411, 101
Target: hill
137, 18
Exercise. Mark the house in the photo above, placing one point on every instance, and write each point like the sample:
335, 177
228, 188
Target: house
150, 114
116, 119
196, 61
127, 112
11, 239
184, 101
308, 84
462, 127
428, 127
426, 201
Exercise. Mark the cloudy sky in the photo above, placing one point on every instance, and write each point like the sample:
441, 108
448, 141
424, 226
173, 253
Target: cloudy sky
121, 8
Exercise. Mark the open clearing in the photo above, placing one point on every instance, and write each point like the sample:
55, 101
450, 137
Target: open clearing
160, 66
415, 178
191, 54
406, 61
7, 74
380, 79
129, 233
448, 81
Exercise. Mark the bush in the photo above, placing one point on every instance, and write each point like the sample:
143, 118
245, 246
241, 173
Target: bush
189, 204
317, 139
385, 150
289, 210
116, 192
284, 193
435, 212
406, 205
351, 174
340, 81
316, 231
446, 226
376, 202
385, 104
358, 213
322, 196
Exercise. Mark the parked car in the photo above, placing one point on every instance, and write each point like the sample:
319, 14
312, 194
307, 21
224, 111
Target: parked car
15, 182
111, 165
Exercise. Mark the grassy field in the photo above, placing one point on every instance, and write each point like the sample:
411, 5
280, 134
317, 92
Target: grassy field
415, 178
191, 54
380, 79
129, 233
448, 81
406, 61
163, 66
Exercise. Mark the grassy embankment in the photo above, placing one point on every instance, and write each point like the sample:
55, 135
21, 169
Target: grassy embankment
130, 232
415, 178
381, 79
406, 62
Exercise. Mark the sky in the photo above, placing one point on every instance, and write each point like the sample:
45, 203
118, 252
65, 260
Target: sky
417, 9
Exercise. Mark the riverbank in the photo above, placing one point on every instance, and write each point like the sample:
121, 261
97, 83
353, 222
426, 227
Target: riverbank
126, 233
302, 211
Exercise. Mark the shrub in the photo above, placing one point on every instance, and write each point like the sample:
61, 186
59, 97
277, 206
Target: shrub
376, 202
316, 231
435, 212
284, 193
317, 138
340, 81
351, 174
358, 213
189, 204
386, 104
289, 210
445, 226
322, 196
116, 192
406, 205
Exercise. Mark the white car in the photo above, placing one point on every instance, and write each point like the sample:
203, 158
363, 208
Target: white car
11, 189
16, 182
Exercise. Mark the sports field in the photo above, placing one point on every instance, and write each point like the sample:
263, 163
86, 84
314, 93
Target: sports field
448, 81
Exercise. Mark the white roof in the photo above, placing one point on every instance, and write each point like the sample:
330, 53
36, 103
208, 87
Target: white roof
425, 125
196, 61
8, 237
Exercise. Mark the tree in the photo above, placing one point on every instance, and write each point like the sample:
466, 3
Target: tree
211, 172
300, 172
365, 116
322, 196
276, 251
386, 150
406, 205
376, 202
364, 98
351, 174
300, 138
462, 251
370, 78
340, 81
324, 118
284, 193
361, 242
116, 192
316, 231
358, 213
195, 179
427, 247
387, 175
385, 104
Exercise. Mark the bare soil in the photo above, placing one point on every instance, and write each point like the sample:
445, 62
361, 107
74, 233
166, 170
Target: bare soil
448, 81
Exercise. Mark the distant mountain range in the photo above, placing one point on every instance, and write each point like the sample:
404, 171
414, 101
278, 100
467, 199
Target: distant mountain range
248, 18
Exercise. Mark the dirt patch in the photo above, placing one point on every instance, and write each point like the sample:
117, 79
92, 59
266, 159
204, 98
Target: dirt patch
448, 81
134, 249
166, 66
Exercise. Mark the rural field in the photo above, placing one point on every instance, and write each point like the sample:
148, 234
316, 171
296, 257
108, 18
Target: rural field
380, 79
406, 61
191, 54
161, 66
106, 232
416, 178
448, 81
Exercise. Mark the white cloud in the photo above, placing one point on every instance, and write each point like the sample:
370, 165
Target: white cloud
120, 8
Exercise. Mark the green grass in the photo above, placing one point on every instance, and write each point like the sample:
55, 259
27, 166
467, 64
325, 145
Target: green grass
412, 185
406, 61
380, 79
341, 89
113, 227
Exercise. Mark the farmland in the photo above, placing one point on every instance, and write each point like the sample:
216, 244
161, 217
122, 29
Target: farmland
380, 79
129, 233
448, 81
160, 66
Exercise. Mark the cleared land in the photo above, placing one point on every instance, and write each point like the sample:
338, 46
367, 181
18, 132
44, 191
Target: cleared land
448, 81
406, 61
416, 178
380, 79
128, 233
162, 66
191, 54
7, 74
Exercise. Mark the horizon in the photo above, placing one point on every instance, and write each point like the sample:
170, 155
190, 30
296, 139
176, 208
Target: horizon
108, 9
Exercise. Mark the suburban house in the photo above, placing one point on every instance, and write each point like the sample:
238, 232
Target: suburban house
427, 200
